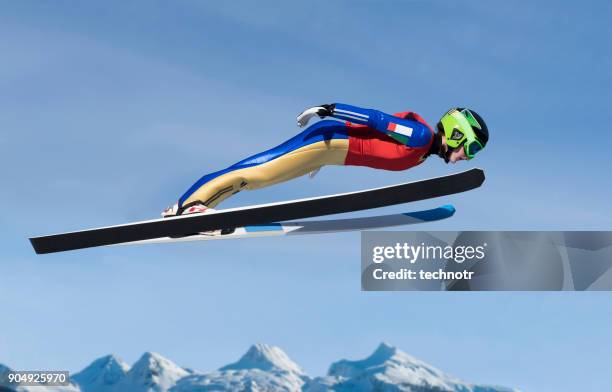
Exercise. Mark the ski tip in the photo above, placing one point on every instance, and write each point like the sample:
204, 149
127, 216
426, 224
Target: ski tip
41, 245
450, 209
443, 212
34, 243
480, 172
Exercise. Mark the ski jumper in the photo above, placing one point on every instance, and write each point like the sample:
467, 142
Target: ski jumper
366, 137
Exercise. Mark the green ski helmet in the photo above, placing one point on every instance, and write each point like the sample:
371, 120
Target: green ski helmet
465, 127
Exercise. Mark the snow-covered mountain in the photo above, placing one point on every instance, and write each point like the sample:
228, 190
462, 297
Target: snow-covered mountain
102, 375
262, 368
265, 357
267, 368
151, 373
389, 369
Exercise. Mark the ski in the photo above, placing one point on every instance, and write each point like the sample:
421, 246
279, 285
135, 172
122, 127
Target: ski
262, 214
315, 226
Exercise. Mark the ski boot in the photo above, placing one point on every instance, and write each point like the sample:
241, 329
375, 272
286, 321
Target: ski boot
198, 208
174, 210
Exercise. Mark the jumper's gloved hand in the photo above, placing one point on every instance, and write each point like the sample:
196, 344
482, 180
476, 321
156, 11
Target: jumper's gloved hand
321, 111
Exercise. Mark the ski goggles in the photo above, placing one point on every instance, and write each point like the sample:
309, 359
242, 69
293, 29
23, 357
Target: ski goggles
471, 147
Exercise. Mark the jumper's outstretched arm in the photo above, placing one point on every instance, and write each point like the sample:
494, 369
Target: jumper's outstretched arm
410, 133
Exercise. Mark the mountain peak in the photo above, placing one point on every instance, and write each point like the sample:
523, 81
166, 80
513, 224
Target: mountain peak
153, 361
102, 374
152, 372
384, 357
151, 356
388, 366
111, 360
384, 351
265, 357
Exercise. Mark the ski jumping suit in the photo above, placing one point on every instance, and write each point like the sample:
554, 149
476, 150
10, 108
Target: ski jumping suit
366, 137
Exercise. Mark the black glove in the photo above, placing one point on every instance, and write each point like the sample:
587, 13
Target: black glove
321, 111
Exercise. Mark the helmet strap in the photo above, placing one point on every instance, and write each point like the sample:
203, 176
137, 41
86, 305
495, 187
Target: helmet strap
436, 144
437, 147
446, 155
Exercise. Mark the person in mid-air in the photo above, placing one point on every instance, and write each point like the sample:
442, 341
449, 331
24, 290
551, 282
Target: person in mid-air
364, 137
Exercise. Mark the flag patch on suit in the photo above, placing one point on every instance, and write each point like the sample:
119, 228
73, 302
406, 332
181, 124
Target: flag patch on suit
401, 129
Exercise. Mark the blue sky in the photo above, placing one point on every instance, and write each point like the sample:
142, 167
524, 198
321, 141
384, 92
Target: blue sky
109, 111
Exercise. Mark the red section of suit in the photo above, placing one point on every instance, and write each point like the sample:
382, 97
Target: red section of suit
372, 148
